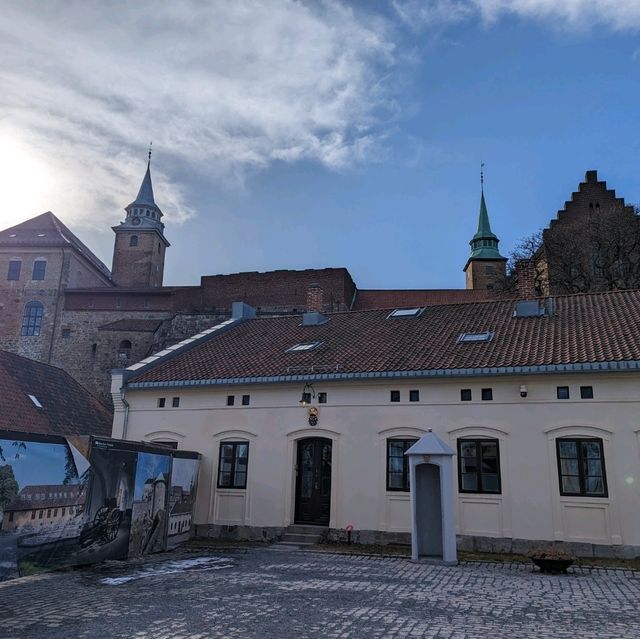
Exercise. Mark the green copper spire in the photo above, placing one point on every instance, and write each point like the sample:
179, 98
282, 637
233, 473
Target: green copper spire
484, 244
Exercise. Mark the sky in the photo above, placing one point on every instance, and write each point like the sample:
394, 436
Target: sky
35, 464
308, 134
149, 466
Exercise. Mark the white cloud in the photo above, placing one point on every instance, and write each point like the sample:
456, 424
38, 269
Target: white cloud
618, 15
219, 87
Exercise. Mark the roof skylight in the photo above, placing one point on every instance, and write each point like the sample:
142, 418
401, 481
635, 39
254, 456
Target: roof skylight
308, 346
487, 336
405, 312
34, 399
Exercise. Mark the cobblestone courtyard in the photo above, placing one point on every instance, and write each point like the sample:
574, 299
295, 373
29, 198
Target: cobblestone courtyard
279, 593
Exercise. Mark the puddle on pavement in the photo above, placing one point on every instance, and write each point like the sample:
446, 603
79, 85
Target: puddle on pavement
169, 568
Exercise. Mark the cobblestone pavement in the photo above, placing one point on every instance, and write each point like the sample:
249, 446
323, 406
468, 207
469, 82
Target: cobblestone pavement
281, 593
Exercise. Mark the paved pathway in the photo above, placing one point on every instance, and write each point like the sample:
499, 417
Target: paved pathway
276, 593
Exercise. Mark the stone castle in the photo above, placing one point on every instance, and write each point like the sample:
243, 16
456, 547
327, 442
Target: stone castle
59, 304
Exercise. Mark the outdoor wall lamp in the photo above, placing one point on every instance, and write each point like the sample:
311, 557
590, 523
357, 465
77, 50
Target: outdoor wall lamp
308, 393
523, 390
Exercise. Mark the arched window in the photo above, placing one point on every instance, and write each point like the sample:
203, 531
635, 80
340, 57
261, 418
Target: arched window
32, 318
133, 240
124, 350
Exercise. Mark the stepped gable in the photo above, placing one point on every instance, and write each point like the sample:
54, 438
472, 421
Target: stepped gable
586, 328
48, 230
592, 196
66, 407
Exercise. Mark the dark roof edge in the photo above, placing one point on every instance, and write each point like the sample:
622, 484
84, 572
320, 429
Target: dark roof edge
581, 367
178, 349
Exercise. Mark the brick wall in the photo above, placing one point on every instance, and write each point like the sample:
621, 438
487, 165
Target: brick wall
141, 265
485, 274
120, 300
591, 198
88, 354
278, 291
15, 294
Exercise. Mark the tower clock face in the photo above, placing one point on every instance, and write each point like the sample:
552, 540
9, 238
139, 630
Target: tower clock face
136, 221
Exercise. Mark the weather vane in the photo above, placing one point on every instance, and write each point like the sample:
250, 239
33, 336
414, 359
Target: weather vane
482, 175
150, 143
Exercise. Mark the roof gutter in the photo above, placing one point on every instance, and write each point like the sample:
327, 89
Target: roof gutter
581, 367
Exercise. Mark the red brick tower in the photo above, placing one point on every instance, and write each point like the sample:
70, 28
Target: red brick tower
138, 253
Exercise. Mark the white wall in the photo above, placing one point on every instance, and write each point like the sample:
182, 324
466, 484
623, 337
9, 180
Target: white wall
359, 417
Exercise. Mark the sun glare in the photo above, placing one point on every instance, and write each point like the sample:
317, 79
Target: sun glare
26, 182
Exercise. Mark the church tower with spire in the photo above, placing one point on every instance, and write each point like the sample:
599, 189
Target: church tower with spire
485, 268
139, 249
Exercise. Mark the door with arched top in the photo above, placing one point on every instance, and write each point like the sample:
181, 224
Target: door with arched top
313, 481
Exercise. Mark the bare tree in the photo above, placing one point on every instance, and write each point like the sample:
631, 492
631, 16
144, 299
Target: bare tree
598, 252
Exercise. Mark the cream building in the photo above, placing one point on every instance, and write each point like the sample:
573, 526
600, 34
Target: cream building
540, 400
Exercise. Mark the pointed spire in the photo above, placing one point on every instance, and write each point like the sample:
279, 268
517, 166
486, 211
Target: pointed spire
143, 212
145, 194
484, 244
484, 227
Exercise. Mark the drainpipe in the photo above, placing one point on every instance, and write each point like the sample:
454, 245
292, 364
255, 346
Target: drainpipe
59, 294
126, 412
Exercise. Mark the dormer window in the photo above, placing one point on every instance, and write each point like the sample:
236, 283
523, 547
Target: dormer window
310, 346
405, 312
487, 336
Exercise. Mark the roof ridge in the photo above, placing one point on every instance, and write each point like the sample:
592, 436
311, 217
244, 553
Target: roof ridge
511, 299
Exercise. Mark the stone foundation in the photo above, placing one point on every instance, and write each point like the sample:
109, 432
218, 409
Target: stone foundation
499, 545
523, 546
238, 533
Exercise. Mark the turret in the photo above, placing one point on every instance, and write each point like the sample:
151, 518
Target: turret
138, 253
485, 268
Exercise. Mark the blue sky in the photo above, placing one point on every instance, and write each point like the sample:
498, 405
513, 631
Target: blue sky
36, 464
293, 135
149, 466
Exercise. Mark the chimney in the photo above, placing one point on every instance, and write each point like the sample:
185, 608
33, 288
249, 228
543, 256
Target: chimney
240, 310
315, 298
526, 279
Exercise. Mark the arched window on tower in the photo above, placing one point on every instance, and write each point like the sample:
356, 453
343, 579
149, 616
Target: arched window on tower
32, 319
124, 350
133, 240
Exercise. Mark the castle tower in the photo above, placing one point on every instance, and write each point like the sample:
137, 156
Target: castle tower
485, 268
138, 252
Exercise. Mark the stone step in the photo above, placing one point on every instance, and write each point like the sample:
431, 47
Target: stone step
299, 538
307, 529
281, 545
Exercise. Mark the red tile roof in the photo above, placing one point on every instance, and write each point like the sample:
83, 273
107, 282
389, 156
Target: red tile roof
378, 298
67, 408
600, 327
48, 496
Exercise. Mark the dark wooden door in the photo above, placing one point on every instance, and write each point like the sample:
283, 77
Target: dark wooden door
313, 485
